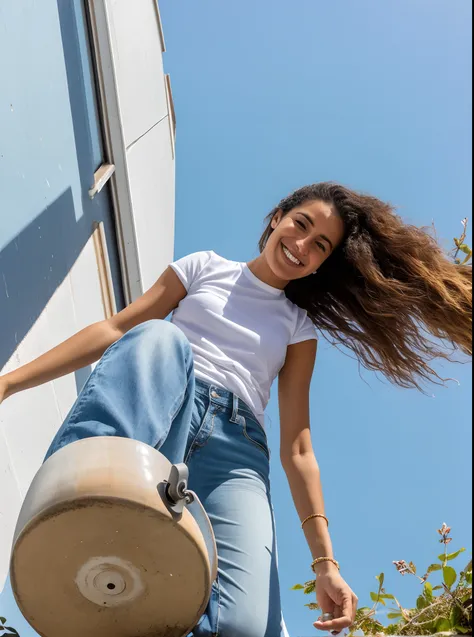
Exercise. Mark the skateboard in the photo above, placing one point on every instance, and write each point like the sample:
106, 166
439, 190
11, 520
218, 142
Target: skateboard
110, 542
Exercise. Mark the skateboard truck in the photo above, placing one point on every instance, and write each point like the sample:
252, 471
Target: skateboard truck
176, 489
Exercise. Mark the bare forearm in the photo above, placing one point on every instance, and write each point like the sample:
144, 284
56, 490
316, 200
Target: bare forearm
82, 349
304, 480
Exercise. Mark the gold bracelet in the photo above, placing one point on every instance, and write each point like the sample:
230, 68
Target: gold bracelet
315, 515
319, 560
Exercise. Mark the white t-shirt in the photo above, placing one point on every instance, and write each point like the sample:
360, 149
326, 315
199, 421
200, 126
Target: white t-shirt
239, 327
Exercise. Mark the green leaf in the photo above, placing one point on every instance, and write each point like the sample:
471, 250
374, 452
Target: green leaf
421, 602
456, 616
463, 630
413, 567
394, 615
466, 599
453, 556
443, 625
374, 597
310, 589
467, 259
387, 596
435, 567
428, 592
371, 627
450, 576
381, 578
430, 628
313, 606
392, 629
457, 242
438, 588
468, 577
298, 587
465, 248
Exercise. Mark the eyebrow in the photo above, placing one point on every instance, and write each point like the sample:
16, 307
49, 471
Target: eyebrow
322, 236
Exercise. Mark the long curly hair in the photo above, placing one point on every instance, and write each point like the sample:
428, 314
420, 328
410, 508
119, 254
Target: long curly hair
386, 291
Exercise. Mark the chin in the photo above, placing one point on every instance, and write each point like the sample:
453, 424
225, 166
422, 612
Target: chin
283, 275
296, 278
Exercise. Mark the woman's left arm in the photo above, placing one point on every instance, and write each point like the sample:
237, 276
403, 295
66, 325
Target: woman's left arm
303, 474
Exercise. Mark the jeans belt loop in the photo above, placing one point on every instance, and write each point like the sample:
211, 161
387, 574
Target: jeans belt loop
235, 408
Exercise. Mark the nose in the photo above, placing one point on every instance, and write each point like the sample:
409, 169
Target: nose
303, 246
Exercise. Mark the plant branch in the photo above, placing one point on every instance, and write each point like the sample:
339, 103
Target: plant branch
414, 619
457, 602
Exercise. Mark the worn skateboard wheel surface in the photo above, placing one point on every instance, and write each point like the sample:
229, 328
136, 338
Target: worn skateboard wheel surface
98, 551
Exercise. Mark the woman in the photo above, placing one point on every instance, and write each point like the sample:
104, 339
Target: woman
197, 388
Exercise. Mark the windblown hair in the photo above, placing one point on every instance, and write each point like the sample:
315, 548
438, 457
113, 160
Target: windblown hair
386, 291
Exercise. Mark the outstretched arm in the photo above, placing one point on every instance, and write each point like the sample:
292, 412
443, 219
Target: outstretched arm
88, 345
304, 479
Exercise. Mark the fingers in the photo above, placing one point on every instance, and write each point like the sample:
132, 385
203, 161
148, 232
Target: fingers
337, 615
334, 626
325, 619
344, 615
347, 612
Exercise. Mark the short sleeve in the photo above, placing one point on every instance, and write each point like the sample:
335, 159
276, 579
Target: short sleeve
190, 267
305, 330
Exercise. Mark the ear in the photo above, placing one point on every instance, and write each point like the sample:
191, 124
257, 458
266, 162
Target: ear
276, 219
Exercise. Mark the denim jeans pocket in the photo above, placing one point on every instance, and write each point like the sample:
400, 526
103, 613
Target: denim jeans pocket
255, 433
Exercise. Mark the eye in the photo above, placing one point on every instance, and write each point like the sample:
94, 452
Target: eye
301, 224
321, 246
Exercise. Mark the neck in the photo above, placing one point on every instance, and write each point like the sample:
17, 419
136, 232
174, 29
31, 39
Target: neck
260, 268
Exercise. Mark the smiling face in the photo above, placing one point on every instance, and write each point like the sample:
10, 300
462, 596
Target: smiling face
303, 239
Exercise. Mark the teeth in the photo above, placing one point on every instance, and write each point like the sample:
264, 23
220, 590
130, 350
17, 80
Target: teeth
290, 256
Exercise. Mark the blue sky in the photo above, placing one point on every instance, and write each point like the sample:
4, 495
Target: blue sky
271, 95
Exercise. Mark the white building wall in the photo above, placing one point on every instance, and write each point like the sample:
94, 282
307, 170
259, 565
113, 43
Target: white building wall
148, 132
152, 180
29, 420
140, 133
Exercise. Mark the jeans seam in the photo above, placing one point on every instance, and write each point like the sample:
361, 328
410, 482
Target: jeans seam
73, 416
198, 444
183, 398
257, 444
257, 424
194, 444
216, 634
180, 404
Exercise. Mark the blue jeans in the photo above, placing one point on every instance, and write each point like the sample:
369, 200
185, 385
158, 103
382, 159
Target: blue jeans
144, 388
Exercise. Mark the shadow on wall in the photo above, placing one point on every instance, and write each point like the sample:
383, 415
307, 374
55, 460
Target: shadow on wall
32, 266
37, 260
